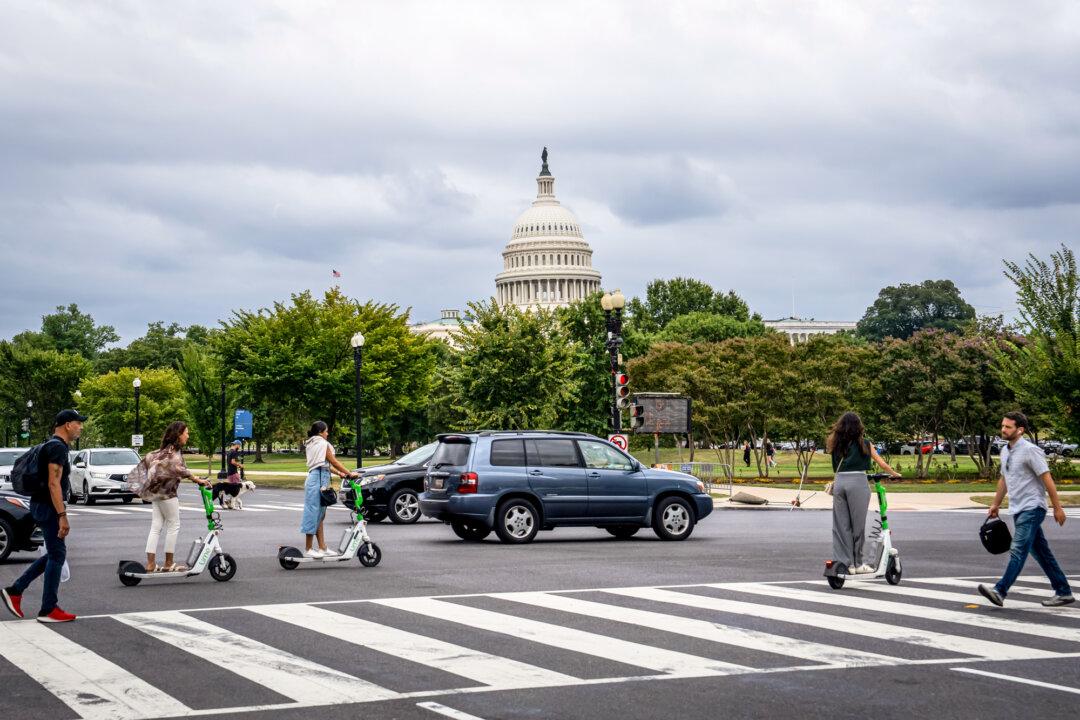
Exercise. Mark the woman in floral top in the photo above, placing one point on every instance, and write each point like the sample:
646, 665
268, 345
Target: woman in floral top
165, 470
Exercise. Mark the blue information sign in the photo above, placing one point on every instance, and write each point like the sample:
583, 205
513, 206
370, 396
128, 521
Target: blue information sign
242, 425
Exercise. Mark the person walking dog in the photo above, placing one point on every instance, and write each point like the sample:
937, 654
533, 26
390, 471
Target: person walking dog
1026, 479
47, 507
320, 459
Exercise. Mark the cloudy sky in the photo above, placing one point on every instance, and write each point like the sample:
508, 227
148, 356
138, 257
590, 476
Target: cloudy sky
172, 161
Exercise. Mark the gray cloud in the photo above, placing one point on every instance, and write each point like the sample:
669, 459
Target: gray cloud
165, 162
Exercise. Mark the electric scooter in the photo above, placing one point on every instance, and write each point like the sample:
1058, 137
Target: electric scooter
887, 564
205, 553
355, 542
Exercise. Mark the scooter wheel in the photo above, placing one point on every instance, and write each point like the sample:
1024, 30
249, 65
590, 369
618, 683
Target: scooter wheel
835, 582
222, 567
284, 555
130, 567
893, 571
369, 555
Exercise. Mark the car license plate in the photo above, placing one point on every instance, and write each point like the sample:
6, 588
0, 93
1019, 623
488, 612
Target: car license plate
436, 483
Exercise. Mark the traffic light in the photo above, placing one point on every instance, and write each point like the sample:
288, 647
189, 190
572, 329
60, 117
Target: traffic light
637, 416
26, 424
622, 389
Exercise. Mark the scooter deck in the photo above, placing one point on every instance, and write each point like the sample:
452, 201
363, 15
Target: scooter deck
174, 574
331, 558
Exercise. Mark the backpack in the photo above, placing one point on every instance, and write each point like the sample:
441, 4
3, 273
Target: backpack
26, 474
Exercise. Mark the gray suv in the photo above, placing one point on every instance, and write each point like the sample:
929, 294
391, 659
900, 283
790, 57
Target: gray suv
519, 482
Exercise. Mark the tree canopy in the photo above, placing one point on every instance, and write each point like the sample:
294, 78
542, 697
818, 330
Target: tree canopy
900, 311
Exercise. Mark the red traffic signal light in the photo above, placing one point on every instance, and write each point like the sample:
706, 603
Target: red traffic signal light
622, 389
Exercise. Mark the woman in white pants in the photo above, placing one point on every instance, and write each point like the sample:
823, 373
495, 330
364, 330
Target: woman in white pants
165, 471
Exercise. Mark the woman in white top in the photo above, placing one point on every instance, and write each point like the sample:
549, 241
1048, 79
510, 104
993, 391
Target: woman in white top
320, 459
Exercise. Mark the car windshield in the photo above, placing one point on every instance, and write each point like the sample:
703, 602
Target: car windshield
7, 457
114, 457
418, 456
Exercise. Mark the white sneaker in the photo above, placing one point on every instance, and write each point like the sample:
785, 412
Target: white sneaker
330, 553
863, 570
315, 553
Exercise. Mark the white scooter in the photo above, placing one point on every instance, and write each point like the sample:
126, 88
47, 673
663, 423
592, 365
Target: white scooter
887, 564
205, 553
355, 542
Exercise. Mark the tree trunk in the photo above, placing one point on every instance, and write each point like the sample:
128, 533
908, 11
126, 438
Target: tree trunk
690, 442
258, 451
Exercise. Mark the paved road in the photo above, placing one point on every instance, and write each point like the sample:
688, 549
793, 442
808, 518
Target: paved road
735, 622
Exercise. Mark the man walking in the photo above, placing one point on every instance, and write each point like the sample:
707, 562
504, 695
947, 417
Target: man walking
47, 507
1026, 477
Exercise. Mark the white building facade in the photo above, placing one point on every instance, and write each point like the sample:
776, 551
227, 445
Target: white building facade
547, 262
799, 330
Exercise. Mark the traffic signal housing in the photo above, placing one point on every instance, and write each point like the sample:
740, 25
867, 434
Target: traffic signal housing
637, 416
622, 389
26, 424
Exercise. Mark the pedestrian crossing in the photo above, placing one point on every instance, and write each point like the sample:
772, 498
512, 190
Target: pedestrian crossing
315, 654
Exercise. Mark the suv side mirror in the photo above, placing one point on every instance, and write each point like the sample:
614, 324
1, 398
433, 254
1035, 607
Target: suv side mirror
80, 464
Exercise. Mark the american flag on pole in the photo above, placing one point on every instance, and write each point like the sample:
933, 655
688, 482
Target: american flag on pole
335, 273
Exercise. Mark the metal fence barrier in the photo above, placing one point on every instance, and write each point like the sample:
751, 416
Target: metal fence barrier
712, 474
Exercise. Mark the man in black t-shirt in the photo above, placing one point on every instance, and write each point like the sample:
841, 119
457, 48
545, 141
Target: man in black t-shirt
47, 507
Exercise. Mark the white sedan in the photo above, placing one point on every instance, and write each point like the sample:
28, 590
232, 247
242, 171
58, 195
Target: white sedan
7, 461
101, 473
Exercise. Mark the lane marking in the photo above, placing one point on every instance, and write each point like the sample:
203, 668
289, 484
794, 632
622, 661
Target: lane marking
715, 632
957, 644
284, 673
1019, 587
963, 598
99, 511
447, 711
95, 688
1024, 681
482, 667
988, 621
609, 648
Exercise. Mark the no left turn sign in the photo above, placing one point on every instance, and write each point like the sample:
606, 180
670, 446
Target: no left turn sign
618, 441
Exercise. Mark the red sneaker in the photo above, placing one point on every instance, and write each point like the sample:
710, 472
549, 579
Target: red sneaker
56, 616
13, 602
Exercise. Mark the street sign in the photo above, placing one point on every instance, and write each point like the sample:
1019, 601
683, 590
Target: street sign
618, 441
136, 441
242, 425
24, 435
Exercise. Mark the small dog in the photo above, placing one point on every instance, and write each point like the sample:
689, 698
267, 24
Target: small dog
228, 494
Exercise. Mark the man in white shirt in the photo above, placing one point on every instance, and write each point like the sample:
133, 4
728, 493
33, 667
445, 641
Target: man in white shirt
1027, 479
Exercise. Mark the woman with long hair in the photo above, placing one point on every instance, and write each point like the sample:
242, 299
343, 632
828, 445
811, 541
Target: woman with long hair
851, 456
165, 469
320, 460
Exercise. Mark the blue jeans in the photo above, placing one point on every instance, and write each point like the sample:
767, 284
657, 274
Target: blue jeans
51, 563
1028, 537
314, 510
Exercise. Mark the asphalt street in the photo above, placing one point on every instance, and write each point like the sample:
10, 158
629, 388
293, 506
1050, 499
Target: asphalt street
734, 622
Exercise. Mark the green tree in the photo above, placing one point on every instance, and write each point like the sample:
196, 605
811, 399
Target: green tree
699, 326
590, 408
665, 300
515, 370
161, 347
200, 377
69, 330
47, 378
1044, 368
900, 311
109, 400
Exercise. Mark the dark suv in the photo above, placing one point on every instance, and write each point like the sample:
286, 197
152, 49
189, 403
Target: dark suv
517, 483
392, 490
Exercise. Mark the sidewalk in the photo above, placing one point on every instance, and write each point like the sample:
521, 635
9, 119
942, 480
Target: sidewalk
781, 498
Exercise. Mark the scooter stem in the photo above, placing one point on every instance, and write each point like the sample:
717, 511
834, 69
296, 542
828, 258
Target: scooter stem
883, 504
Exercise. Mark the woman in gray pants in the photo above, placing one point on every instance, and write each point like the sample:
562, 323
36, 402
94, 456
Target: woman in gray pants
851, 456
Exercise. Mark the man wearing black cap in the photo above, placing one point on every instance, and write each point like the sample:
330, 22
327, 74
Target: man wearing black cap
47, 507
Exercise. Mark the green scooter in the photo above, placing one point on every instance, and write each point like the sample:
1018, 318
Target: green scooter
888, 558
355, 542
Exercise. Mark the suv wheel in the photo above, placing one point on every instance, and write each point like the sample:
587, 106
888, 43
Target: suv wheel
516, 521
404, 507
673, 520
470, 531
623, 532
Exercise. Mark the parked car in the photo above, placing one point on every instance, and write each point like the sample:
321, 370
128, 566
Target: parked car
392, 490
921, 447
1057, 447
17, 528
101, 473
519, 482
7, 461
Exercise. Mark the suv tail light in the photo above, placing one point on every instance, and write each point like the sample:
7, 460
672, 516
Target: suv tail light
469, 482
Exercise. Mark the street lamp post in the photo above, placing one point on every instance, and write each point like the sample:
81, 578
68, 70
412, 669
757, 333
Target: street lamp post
613, 304
137, 383
358, 353
78, 399
29, 422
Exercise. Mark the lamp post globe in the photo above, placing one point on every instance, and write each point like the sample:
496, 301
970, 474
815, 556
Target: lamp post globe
605, 302
358, 340
618, 300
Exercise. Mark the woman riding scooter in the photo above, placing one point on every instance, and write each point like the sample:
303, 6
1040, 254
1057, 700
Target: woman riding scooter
320, 459
851, 455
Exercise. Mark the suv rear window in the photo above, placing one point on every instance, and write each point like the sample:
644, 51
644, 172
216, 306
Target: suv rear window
450, 453
508, 453
553, 453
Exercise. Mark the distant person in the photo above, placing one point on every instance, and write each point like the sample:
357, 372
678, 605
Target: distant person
234, 474
851, 457
165, 470
50, 514
320, 460
746, 453
770, 453
1026, 478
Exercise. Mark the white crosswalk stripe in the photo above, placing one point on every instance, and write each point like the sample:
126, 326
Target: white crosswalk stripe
742, 627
